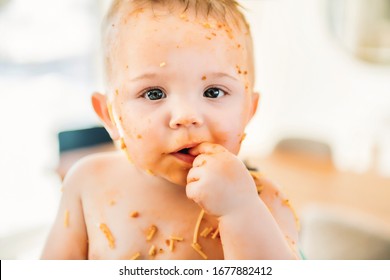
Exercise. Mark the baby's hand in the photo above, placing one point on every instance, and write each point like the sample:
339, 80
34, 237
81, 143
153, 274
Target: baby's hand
218, 181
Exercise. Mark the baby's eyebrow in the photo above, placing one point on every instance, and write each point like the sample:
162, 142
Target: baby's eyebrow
146, 76
221, 75
215, 75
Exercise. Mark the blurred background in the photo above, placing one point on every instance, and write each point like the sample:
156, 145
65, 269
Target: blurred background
322, 131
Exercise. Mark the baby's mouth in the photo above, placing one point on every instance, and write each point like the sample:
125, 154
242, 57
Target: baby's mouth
184, 154
185, 151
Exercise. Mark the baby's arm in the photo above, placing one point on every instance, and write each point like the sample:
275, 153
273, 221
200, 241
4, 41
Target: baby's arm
268, 228
250, 227
68, 236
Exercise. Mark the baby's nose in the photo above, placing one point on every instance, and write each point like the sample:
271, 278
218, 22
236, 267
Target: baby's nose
186, 117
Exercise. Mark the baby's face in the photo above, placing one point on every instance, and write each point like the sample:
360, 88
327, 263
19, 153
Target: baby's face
177, 82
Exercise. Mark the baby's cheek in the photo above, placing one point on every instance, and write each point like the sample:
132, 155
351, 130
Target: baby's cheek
230, 134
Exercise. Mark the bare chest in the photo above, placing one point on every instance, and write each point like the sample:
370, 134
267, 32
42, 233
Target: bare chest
126, 225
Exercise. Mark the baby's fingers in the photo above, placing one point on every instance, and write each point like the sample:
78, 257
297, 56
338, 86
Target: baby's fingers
192, 187
206, 148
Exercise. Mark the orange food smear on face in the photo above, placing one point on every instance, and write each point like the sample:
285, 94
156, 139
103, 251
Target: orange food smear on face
124, 148
204, 78
229, 33
139, 136
207, 25
111, 240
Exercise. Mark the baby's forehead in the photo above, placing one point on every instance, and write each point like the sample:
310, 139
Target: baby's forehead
172, 23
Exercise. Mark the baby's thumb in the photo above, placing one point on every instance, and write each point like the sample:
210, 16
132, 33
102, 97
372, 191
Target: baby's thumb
206, 148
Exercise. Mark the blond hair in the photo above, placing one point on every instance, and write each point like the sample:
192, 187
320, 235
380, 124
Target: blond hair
220, 9
225, 11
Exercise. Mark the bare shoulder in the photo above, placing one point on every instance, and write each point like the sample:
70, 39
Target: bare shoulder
68, 238
93, 168
279, 205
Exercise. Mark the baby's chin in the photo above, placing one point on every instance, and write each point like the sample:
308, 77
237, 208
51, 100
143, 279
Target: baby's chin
177, 178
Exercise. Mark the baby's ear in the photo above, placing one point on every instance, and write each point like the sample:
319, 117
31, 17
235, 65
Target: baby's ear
100, 105
255, 102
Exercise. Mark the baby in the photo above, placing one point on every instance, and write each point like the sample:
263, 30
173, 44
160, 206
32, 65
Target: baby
180, 79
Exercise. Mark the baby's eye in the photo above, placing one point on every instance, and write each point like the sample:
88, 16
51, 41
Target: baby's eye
214, 93
154, 94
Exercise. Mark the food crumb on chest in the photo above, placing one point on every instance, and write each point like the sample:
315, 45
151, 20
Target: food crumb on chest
151, 232
135, 256
110, 238
134, 214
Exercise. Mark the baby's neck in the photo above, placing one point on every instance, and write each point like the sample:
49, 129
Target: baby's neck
156, 181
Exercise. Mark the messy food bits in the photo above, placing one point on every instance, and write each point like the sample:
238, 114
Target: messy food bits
206, 231
135, 256
198, 249
152, 251
134, 214
197, 225
195, 245
66, 218
215, 234
106, 231
112, 202
256, 177
151, 232
286, 202
172, 240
